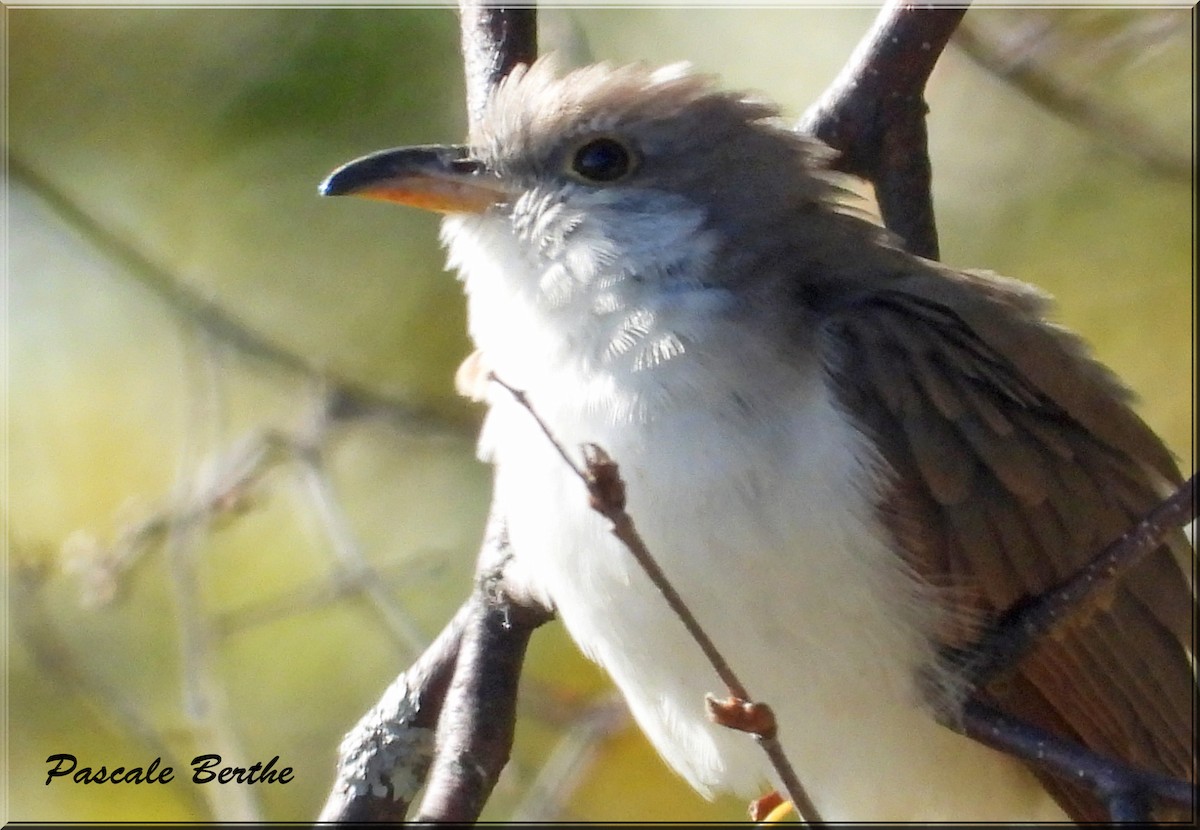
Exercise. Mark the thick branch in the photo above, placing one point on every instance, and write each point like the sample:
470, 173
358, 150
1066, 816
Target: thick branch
494, 40
465, 687
384, 759
475, 736
874, 114
475, 733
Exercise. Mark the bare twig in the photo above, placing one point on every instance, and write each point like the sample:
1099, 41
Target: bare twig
348, 552
874, 113
325, 591
1127, 791
221, 488
205, 704
1021, 69
607, 491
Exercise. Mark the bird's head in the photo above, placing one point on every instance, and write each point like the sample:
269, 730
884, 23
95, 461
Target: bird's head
607, 198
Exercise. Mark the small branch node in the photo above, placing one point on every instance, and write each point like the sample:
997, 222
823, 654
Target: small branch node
743, 715
603, 479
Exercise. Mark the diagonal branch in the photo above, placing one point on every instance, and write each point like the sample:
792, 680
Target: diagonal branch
1017, 634
1125, 789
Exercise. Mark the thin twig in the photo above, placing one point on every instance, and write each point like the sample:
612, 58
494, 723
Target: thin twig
204, 700
611, 505
205, 703
221, 488
347, 551
602, 479
325, 591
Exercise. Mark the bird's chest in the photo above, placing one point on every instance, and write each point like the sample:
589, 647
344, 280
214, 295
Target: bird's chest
762, 518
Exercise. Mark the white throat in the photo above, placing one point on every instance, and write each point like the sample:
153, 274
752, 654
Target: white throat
550, 293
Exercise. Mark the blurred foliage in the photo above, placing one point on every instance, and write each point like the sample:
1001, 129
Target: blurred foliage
200, 560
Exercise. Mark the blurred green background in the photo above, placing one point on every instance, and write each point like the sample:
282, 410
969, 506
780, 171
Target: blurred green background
201, 560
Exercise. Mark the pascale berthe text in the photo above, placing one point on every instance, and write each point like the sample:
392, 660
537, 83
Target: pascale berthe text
206, 769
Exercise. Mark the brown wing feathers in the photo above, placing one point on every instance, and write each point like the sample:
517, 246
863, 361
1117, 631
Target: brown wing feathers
1017, 458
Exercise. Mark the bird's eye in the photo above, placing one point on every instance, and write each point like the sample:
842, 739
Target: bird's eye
603, 160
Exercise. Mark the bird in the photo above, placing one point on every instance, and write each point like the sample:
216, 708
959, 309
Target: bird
846, 458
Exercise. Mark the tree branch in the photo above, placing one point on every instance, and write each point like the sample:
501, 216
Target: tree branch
494, 40
384, 759
874, 114
1126, 790
475, 733
466, 683
1122, 787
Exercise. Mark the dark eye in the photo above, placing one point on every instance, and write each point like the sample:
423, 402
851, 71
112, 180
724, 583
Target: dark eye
603, 160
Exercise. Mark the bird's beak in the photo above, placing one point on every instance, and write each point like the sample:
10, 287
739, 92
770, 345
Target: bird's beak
434, 177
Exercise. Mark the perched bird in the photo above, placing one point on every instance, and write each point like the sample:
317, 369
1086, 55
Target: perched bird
843, 456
